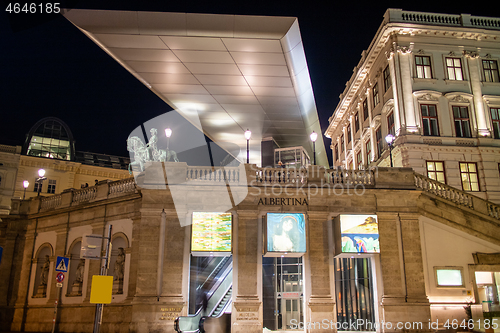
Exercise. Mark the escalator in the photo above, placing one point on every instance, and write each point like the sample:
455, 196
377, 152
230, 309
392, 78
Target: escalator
218, 286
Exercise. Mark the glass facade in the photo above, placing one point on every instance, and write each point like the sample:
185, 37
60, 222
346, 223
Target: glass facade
354, 292
50, 138
294, 157
282, 281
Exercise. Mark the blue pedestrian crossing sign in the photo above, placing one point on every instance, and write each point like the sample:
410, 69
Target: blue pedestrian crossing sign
62, 264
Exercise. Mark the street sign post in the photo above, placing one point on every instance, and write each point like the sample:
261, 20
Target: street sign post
62, 264
60, 277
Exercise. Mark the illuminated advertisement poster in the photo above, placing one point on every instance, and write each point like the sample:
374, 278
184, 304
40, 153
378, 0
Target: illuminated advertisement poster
359, 233
211, 232
286, 232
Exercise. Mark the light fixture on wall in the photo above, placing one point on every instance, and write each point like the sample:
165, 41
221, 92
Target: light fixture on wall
168, 134
25, 185
314, 137
248, 135
390, 141
40, 179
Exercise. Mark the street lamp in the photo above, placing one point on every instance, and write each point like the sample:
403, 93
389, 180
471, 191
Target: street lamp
248, 135
40, 179
25, 185
314, 137
390, 140
168, 133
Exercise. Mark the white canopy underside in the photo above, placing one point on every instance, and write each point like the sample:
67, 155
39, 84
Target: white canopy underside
224, 73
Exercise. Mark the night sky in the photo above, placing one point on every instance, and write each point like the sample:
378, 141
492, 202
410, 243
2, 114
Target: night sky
49, 68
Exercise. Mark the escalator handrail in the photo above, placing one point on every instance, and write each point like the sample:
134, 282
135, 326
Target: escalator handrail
198, 313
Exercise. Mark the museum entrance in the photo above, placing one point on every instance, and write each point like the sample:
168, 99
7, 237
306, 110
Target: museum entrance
282, 283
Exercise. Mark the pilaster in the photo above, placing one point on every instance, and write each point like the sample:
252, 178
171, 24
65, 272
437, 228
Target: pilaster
247, 307
475, 81
321, 304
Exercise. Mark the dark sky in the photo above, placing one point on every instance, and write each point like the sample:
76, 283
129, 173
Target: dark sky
49, 68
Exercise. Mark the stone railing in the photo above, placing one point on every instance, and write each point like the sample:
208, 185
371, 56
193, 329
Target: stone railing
122, 186
85, 194
350, 177
280, 175
464, 20
72, 197
444, 191
209, 174
50, 202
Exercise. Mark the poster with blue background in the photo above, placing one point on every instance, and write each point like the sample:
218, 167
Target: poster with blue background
286, 232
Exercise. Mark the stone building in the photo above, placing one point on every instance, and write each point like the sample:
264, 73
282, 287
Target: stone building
274, 249
435, 251
432, 81
50, 146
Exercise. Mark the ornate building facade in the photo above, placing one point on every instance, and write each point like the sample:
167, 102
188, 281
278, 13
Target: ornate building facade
432, 81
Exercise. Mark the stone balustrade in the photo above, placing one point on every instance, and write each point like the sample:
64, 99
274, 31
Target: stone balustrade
220, 174
462, 20
382, 178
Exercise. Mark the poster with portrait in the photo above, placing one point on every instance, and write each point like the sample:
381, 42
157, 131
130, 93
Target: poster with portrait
211, 232
359, 234
285, 232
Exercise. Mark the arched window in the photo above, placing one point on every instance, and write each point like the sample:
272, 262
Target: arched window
42, 271
76, 275
50, 138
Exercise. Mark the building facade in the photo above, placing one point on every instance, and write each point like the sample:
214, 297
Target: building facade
50, 146
428, 253
432, 81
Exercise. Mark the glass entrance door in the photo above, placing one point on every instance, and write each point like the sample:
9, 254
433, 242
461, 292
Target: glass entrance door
282, 293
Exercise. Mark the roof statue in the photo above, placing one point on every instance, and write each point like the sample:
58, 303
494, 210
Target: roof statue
149, 152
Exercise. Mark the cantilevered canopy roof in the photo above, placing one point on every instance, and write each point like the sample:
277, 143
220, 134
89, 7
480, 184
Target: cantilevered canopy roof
224, 73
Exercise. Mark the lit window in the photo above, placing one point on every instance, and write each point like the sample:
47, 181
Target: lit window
376, 97
390, 124
429, 120
356, 123
454, 68
435, 170
449, 277
368, 149
423, 65
359, 160
365, 109
378, 136
51, 188
462, 122
387, 79
490, 71
495, 119
469, 177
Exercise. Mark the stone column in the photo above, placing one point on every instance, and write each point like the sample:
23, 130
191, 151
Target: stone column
405, 54
22, 295
475, 82
247, 309
321, 304
399, 115
404, 299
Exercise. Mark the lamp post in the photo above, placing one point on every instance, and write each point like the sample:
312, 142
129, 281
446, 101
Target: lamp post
390, 140
168, 133
40, 179
248, 135
25, 185
314, 137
